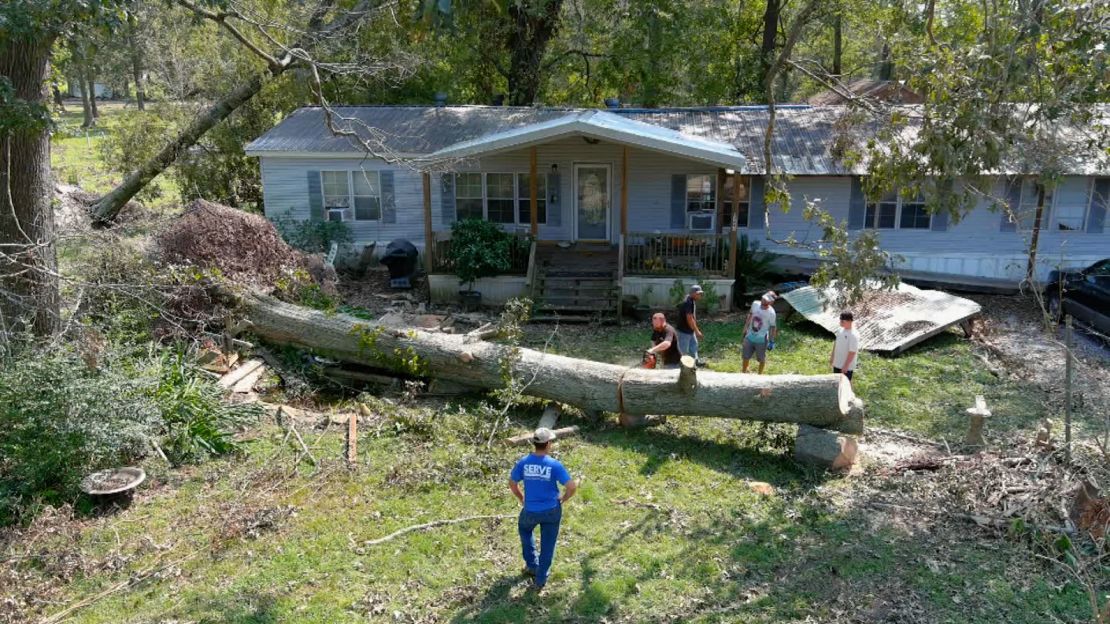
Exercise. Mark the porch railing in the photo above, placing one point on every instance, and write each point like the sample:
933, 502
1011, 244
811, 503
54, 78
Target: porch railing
519, 249
676, 254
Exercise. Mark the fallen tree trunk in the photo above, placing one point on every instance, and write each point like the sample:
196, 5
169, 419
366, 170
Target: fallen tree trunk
823, 401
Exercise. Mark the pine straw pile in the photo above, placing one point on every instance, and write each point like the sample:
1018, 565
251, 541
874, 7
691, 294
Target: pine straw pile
244, 247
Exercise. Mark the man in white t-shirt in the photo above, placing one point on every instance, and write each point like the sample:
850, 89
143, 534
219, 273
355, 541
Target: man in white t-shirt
846, 347
760, 331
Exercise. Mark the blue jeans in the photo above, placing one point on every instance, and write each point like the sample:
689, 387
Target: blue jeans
548, 521
688, 344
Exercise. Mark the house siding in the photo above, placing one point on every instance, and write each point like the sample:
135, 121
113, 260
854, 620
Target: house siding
976, 246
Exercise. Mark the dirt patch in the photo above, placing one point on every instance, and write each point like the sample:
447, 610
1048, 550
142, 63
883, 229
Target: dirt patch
1013, 334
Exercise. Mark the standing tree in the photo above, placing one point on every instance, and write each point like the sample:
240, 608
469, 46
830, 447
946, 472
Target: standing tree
29, 298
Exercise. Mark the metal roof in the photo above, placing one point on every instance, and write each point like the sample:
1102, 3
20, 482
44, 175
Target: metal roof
887, 320
805, 141
604, 125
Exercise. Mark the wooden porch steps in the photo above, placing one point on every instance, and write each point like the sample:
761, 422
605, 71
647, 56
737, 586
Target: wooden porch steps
577, 282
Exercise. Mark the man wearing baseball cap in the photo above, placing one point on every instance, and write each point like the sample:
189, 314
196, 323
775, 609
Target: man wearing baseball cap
760, 331
687, 325
543, 506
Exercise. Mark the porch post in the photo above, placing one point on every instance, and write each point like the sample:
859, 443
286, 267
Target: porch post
624, 191
429, 236
719, 208
533, 192
735, 224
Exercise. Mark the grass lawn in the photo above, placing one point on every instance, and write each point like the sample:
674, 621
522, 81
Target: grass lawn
667, 527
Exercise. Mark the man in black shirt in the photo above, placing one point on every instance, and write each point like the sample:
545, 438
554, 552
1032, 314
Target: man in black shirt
687, 325
664, 341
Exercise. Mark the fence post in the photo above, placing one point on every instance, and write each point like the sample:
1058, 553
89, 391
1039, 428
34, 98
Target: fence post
1067, 387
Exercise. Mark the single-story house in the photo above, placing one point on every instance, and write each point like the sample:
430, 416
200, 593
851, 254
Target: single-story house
643, 196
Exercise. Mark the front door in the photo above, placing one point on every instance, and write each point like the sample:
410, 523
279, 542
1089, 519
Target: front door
593, 195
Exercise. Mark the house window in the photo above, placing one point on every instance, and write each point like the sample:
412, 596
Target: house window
367, 195
352, 195
744, 198
524, 199
337, 195
701, 193
893, 211
1072, 217
500, 194
468, 196
1025, 214
914, 216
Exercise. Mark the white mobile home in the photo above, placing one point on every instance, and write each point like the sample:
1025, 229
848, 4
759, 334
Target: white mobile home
658, 189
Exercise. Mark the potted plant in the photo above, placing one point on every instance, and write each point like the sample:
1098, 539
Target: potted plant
478, 249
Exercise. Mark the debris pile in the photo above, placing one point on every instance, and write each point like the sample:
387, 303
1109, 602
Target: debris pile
244, 247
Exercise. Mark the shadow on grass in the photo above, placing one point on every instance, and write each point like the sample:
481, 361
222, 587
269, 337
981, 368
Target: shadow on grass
237, 608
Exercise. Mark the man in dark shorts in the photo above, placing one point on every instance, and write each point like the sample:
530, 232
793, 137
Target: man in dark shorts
665, 342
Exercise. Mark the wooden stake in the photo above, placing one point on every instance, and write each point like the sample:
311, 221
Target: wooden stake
1067, 388
352, 439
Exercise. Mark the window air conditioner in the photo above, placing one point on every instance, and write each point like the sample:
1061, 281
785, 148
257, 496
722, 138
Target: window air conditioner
701, 221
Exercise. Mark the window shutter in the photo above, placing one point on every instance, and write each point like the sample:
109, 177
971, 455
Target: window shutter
447, 199
1100, 198
940, 221
857, 206
315, 197
554, 208
1013, 201
678, 201
756, 207
389, 198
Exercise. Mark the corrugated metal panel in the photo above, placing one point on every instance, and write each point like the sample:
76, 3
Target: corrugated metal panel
889, 320
805, 140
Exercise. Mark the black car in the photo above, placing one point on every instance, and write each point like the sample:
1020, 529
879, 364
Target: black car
1085, 295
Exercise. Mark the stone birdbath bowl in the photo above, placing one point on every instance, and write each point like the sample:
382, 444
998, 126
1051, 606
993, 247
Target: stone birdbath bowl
113, 482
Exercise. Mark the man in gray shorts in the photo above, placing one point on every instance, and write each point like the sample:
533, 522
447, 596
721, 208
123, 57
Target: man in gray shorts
760, 331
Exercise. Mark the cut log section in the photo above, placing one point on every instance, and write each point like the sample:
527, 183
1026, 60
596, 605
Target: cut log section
823, 401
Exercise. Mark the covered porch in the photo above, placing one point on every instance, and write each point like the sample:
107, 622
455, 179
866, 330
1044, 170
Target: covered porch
662, 201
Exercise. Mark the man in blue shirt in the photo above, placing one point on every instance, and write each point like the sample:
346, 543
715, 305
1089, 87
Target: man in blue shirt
543, 506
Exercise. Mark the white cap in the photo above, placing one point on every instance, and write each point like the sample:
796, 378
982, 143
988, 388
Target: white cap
543, 435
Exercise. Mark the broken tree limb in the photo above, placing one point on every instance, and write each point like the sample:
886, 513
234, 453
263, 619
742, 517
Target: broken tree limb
823, 401
432, 525
550, 416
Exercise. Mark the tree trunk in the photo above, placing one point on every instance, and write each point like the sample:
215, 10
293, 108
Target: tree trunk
136, 62
28, 263
86, 105
838, 44
770, 34
106, 207
535, 23
90, 80
820, 400
58, 101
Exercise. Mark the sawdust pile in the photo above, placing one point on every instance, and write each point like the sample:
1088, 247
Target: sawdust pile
244, 247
